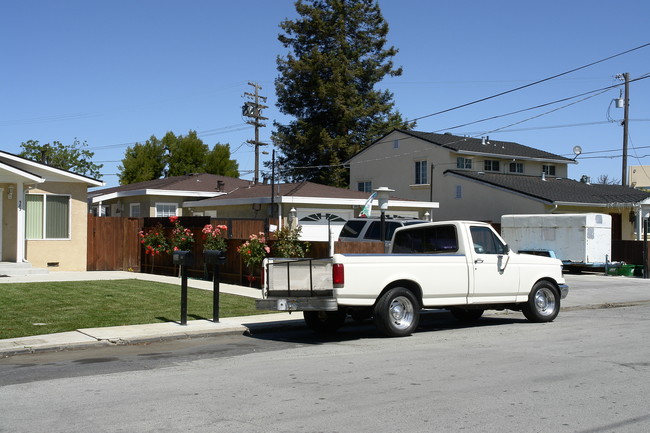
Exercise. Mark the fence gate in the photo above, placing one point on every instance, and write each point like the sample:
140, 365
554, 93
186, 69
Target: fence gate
113, 244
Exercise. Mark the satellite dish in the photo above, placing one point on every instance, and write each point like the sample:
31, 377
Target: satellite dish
577, 150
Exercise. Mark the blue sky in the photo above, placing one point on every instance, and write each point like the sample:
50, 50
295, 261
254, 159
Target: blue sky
114, 73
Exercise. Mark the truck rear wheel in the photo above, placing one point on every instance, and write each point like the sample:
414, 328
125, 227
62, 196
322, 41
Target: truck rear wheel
543, 303
324, 322
397, 312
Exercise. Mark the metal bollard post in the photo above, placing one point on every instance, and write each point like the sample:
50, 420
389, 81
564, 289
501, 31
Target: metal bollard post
216, 258
183, 259
215, 294
183, 295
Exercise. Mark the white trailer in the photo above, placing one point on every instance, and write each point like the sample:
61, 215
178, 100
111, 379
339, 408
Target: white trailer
574, 238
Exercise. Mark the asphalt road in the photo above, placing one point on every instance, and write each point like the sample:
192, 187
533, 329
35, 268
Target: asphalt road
586, 372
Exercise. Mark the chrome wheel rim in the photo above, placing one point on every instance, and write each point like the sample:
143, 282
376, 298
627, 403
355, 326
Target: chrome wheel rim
545, 301
401, 312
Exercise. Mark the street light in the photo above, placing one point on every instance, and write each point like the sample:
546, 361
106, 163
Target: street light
382, 197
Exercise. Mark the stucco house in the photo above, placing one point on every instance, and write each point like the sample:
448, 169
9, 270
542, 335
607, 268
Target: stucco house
160, 197
483, 179
44, 217
317, 208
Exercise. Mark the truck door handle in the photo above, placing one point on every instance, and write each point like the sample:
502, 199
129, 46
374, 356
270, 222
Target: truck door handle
477, 261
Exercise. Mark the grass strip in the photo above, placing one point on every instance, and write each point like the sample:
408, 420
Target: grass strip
50, 307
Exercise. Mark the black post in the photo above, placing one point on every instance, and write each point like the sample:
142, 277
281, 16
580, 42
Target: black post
215, 294
646, 271
183, 295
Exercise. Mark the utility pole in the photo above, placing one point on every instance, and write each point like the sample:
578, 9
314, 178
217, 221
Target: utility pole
253, 110
626, 114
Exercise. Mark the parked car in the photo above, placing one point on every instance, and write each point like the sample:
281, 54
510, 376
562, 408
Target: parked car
369, 229
462, 266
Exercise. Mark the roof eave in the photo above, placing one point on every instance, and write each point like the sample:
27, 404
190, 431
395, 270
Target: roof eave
517, 157
155, 192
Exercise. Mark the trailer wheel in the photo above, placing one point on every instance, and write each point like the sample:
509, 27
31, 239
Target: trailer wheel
543, 303
466, 315
397, 312
324, 322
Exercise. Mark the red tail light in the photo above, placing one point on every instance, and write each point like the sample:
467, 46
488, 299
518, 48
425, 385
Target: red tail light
338, 275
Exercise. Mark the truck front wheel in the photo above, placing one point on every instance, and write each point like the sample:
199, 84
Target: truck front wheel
543, 303
324, 322
397, 312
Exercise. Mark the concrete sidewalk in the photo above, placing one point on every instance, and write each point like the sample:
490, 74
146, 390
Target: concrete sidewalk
585, 291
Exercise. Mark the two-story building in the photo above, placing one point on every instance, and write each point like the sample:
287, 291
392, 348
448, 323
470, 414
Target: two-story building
483, 179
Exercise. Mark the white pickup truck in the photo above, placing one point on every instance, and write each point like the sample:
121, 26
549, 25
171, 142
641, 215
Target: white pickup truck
462, 266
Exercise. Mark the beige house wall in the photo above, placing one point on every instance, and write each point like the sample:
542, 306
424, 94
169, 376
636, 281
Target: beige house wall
9, 222
391, 163
639, 176
66, 254
469, 200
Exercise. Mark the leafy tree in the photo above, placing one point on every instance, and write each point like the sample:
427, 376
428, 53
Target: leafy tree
186, 154
218, 161
327, 82
175, 156
143, 162
74, 157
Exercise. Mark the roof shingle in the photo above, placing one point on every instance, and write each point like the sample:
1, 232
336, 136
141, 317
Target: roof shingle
491, 147
553, 189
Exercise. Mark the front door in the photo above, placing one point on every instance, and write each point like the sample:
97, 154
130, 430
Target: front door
495, 279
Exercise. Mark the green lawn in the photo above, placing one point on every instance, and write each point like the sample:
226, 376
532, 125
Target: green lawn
45, 308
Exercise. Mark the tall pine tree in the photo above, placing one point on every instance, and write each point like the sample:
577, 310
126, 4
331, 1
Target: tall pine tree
327, 82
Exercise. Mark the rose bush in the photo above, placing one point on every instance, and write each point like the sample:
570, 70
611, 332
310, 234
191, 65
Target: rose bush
181, 238
154, 241
212, 237
254, 250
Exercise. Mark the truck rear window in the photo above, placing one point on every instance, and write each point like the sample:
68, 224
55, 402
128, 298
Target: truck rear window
427, 240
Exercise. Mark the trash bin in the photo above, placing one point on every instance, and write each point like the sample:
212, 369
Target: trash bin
626, 270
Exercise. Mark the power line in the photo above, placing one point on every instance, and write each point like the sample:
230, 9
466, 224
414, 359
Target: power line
528, 85
208, 132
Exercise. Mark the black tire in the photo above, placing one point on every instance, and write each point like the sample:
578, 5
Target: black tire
324, 322
466, 315
397, 312
543, 303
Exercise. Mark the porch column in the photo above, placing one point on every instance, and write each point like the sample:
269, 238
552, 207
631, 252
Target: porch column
20, 222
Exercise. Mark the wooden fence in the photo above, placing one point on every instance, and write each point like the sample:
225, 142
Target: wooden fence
114, 245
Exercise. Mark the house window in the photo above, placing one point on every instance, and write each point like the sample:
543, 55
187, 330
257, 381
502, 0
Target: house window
47, 216
364, 186
548, 170
491, 165
395, 144
166, 209
134, 210
420, 172
464, 163
459, 191
516, 167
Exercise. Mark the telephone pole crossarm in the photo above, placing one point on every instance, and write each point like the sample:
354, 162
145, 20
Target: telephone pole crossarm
253, 110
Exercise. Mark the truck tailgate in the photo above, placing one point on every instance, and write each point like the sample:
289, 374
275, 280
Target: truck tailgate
298, 284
